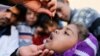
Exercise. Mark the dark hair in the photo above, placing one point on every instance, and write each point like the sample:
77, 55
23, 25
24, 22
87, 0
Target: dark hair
44, 20
22, 14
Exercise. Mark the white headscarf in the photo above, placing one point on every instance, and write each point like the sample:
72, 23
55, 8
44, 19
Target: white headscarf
3, 7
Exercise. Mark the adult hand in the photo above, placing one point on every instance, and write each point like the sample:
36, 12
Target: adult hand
47, 52
31, 50
34, 50
36, 5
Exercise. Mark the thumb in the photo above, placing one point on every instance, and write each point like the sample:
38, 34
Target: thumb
44, 10
41, 47
37, 53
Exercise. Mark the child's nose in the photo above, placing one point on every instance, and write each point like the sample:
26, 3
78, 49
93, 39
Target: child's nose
56, 31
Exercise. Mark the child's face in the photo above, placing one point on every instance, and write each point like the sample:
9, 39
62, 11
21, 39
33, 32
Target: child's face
63, 39
48, 28
63, 10
30, 17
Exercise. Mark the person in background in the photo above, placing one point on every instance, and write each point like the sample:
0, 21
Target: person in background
26, 30
26, 27
9, 37
38, 6
85, 15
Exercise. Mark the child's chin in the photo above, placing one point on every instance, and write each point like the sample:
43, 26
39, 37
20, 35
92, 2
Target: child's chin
57, 50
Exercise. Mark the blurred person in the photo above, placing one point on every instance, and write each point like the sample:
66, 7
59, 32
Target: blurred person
26, 31
46, 6
72, 40
26, 27
8, 32
87, 16
9, 37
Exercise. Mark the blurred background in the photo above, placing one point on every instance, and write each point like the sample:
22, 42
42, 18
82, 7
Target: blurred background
73, 3
85, 3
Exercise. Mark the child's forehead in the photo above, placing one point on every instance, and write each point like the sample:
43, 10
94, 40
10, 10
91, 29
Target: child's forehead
71, 26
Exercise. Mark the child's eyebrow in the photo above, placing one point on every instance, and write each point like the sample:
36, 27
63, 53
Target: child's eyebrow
70, 30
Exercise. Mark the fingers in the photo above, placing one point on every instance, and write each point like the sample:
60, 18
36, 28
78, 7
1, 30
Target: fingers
45, 52
52, 6
50, 53
33, 5
41, 47
37, 53
44, 10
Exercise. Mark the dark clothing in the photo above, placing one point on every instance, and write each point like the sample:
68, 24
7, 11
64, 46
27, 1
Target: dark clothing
5, 30
95, 28
88, 17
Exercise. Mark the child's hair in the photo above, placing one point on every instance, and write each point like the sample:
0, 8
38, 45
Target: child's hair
44, 20
22, 11
82, 30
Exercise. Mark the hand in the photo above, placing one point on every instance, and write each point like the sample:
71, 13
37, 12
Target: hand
31, 50
36, 5
47, 52
34, 50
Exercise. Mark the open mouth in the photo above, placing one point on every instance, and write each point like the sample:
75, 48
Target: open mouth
48, 39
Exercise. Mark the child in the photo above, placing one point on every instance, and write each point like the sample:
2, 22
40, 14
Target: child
47, 25
26, 26
73, 40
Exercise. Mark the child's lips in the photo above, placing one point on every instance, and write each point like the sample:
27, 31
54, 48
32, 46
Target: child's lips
48, 39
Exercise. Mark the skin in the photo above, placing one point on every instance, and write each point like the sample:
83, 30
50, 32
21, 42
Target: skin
31, 50
51, 28
63, 10
37, 6
34, 50
67, 35
8, 17
30, 17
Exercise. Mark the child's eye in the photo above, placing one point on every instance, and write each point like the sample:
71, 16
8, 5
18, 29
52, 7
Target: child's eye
66, 33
